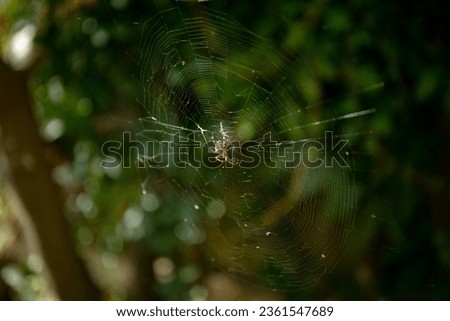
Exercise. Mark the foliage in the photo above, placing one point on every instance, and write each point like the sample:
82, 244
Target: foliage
86, 92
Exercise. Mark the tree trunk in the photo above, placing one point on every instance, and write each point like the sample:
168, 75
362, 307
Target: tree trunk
30, 175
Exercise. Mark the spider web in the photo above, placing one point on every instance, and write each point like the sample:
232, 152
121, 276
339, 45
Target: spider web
205, 78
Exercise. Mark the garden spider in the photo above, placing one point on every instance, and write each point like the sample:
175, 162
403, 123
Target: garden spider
221, 150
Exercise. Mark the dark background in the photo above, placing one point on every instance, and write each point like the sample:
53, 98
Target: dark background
82, 75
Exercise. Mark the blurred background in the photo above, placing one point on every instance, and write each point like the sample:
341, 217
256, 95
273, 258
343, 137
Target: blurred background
72, 230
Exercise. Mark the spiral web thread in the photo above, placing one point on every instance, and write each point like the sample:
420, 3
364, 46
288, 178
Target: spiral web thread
208, 79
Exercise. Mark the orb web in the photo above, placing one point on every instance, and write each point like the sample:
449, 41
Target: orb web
210, 87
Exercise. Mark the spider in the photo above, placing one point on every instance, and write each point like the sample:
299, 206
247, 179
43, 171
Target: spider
220, 148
